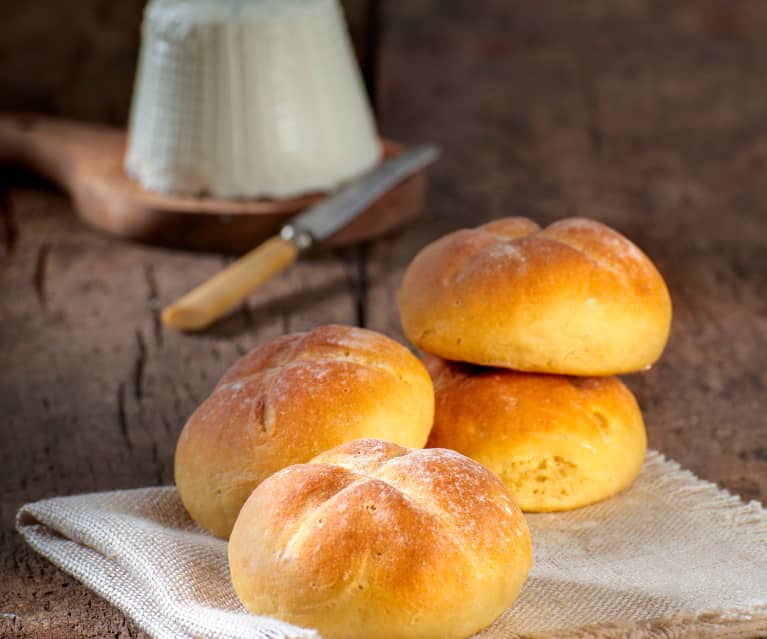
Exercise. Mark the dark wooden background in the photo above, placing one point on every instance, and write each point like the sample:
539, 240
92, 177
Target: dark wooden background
646, 114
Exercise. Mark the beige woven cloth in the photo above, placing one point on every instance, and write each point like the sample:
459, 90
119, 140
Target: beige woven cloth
671, 557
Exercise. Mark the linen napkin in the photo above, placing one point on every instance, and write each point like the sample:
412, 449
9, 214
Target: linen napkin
673, 556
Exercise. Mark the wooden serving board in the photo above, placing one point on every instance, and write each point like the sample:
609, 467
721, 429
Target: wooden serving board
86, 161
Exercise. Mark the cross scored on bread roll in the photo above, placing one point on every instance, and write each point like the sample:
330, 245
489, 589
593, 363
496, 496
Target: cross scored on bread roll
289, 400
575, 298
374, 540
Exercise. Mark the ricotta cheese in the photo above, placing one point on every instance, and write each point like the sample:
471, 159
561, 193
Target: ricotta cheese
248, 98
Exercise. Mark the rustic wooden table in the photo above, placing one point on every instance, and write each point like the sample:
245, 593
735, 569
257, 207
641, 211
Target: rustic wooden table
647, 115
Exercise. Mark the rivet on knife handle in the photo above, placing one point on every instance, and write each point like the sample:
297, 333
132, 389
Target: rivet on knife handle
205, 304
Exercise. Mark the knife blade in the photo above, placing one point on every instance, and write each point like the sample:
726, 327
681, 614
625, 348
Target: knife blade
204, 304
324, 219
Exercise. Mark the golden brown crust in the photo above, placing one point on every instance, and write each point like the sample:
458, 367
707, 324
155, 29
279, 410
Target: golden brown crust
575, 298
290, 399
374, 540
556, 442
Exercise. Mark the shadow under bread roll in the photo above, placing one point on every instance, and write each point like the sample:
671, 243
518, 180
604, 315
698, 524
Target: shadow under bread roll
371, 540
556, 442
287, 401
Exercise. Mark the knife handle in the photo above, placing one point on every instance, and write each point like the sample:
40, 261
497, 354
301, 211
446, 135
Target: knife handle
203, 305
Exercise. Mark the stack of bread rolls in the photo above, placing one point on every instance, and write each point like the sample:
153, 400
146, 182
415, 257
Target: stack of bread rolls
309, 453
525, 330
289, 400
309, 456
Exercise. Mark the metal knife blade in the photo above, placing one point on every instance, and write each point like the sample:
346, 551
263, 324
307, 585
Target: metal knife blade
322, 220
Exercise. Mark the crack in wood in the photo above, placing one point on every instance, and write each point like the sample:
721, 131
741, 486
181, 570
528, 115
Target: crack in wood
138, 367
370, 48
40, 273
284, 321
158, 463
8, 222
190, 392
80, 57
122, 420
593, 123
153, 302
357, 278
246, 313
92, 471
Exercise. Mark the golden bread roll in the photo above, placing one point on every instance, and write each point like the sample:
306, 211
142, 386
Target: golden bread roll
289, 400
374, 541
556, 442
576, 298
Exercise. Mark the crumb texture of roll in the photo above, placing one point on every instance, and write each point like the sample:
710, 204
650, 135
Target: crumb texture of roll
557, 442
372, 540
575, 298
289, 400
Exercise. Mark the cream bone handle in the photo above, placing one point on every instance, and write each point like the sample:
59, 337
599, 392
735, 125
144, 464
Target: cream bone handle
203, 305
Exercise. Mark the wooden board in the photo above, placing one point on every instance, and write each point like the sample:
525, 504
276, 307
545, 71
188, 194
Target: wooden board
86, 161
647, 115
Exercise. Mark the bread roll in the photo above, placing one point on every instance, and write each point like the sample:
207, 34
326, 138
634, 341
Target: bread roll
556, 442
289, 400
576, 298
374, 541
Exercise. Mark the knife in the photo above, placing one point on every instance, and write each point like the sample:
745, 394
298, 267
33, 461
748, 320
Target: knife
203, 305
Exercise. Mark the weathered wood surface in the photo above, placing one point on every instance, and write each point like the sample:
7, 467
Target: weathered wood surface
650, 116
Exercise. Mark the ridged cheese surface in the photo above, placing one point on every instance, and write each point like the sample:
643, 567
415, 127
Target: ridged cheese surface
248, 98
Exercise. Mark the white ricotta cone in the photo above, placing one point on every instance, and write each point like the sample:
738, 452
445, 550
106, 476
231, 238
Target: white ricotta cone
248, 98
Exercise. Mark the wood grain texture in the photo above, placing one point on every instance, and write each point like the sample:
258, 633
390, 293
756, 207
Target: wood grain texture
646, 115
99, 391
73, 59
102, 390
77, 59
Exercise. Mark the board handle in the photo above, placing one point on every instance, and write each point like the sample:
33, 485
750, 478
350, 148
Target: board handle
203, 305
52, 147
